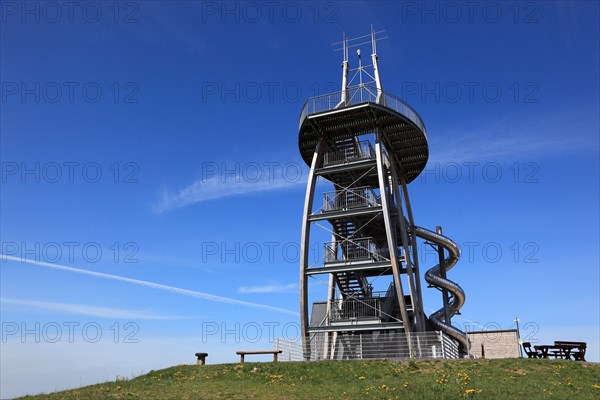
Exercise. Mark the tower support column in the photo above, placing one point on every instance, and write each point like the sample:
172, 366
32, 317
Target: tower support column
414, 296
391, 235
415, 253
304, 247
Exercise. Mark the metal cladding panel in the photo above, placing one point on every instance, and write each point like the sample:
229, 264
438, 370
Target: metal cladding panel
319, 311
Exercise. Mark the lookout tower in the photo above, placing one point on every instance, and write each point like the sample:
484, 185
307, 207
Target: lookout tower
368, 145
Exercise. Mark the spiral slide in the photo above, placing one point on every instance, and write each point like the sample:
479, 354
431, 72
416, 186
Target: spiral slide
433, 277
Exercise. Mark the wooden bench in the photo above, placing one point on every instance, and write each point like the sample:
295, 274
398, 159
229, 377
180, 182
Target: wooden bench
201, 358
244, 353
568, 349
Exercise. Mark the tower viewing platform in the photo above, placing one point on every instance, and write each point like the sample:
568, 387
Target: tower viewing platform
360, 110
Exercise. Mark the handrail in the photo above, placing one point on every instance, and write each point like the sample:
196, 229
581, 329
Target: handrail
352, 250
353, 197
359, 95
358, 151
363, 308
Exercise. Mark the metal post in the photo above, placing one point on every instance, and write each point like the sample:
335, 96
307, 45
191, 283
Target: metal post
519, 341
375, 61
344, 98
304, 247
330, 299
415, 253
391, 238
405, 243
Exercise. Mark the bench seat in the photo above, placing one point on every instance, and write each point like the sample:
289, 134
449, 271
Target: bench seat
244, 353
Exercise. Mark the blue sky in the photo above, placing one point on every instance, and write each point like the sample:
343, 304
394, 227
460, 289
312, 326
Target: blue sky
153, 145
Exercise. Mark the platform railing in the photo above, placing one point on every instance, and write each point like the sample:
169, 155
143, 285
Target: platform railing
352, 250
363, 150
358, 95
350, 198
369, 345
356, 309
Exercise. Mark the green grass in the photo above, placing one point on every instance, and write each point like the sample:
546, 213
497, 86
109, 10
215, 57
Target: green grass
457, 379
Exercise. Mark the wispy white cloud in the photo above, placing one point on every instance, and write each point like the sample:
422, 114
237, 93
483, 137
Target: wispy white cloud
218, 187
513, 137
276, 288
152, 285
100, 312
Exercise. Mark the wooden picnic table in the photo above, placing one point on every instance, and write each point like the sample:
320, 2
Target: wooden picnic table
543, 349
559, 350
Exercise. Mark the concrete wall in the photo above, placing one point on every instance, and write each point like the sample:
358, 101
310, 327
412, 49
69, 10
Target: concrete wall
496, 344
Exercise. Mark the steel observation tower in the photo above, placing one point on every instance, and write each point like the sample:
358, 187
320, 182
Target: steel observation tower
369, 145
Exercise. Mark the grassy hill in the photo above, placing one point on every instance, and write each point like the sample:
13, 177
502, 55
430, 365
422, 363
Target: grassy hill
444, 379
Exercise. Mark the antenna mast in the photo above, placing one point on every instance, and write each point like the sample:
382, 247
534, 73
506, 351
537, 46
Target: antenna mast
362, 78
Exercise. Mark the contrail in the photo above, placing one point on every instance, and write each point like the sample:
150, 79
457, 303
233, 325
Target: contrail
153, 285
